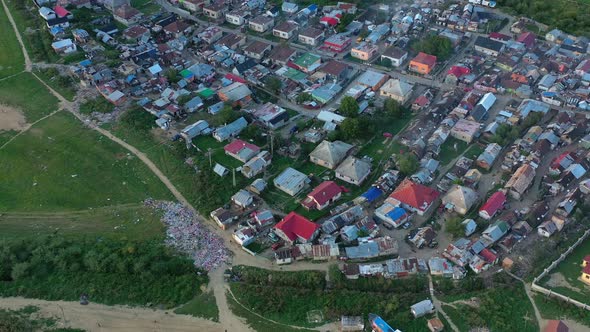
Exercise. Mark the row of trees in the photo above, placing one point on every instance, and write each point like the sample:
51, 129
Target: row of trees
111, 272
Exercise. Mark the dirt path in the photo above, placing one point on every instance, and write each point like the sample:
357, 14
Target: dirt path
28, 63
438, 305
26, 128
527, 288
98, 317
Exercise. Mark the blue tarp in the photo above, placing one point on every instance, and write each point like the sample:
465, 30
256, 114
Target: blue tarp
396, 213
85, 63
372, 194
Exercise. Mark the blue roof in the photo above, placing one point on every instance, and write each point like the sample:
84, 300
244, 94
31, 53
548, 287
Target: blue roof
396, 213
313, 7
85, 63
130, 78
372, 194
382, 325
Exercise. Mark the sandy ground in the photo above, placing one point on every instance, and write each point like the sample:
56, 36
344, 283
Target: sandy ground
97, 317
558, 280
11, 119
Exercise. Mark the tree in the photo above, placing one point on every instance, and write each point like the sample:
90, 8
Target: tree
172, 75
408, 163
350, 128
303, 97
455, 227
182, 100
392, 108
345, 20
227, 114
274, 84
436, 45
349, 107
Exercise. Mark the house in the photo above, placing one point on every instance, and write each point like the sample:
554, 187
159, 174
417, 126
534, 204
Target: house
486, 159
64, 46
460, 199
435, 325
242, 151
527, 38
242, 198
364, 51
338, 42
178, 29
465, 130
330, 154
488, 46
395, 55
231, 130
325, 93
311, 36
258, 50
261, 23
136, 33
397, 90
547, 228
285, 30
222, 217
353, 170
482, 108
232, 41
372, 80
422, 64
520, 181
244, 235
414, 197
496, 231
270, 115
308, 62
211, 34
257, 164
323, 195
214, 10
289, 8
556, 326
494, 204
236, 17
47, 13
127, 15
194, 5
391, 214
296, 228
422, 308
352, 323
291, 181
335, 70
236, 93
281, 55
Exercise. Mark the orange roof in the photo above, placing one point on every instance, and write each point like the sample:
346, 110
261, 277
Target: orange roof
426, 59
415, 195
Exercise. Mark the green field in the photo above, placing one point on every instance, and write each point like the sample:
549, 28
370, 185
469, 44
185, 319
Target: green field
61, 166
64, 85
11, 58
451, 149
131, 221
203, 305
147, 7
551, 308
571, 269
29, 95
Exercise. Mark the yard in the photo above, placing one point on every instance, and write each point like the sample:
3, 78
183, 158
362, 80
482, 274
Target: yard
147, 7
451, 149
564, 278
202, 305
61, 166
63, 84
11, 59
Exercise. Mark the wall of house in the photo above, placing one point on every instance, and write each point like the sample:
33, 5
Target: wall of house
419, 67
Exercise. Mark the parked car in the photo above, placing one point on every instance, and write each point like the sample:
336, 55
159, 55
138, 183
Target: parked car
406, 225
277, 245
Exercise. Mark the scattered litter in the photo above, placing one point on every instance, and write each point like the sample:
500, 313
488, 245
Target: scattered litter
186, 234
74, 175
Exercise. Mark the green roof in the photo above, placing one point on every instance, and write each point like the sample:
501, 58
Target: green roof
206, 93
307, 60
294, 74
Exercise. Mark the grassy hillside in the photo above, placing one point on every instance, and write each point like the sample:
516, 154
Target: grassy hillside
11, 56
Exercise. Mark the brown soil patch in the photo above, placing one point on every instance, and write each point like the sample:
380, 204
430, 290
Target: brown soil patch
11, 119
559, 280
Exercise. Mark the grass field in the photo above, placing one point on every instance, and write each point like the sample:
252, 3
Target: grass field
571, 270
147, 7
61, 166
27, 94
450, 150
203, 305
11, 57
551, 308
131, 221
64, 85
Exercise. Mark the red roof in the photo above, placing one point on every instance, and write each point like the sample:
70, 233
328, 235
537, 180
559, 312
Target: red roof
557, 161
237, 145
587, 259
426, 59
586, 269
494, 203
556, 326
295, 225
325, 192
458, 71
235, 78
415, 195
488, 256
61, 11
527, 38
329, 20
421, 101
499, 36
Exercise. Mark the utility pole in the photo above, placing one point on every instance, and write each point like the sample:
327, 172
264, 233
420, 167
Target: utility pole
272, 143
209, 151
233, 171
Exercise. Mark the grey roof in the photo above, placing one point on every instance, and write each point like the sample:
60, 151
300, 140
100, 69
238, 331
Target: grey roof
220, 170
370, 78
421, 308
363, 250
290, 178
354, 168
236, 91
397, 87
462, 197
331, 152
242, 197
233, 128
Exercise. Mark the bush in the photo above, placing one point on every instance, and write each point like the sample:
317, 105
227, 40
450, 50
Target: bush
436, 45
99, 105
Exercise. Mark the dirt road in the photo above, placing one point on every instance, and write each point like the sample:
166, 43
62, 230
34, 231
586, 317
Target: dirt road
98, 317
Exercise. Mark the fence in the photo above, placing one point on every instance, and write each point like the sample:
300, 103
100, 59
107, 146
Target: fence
553, 265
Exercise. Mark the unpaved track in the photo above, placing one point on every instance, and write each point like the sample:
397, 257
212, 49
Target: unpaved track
98, 317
